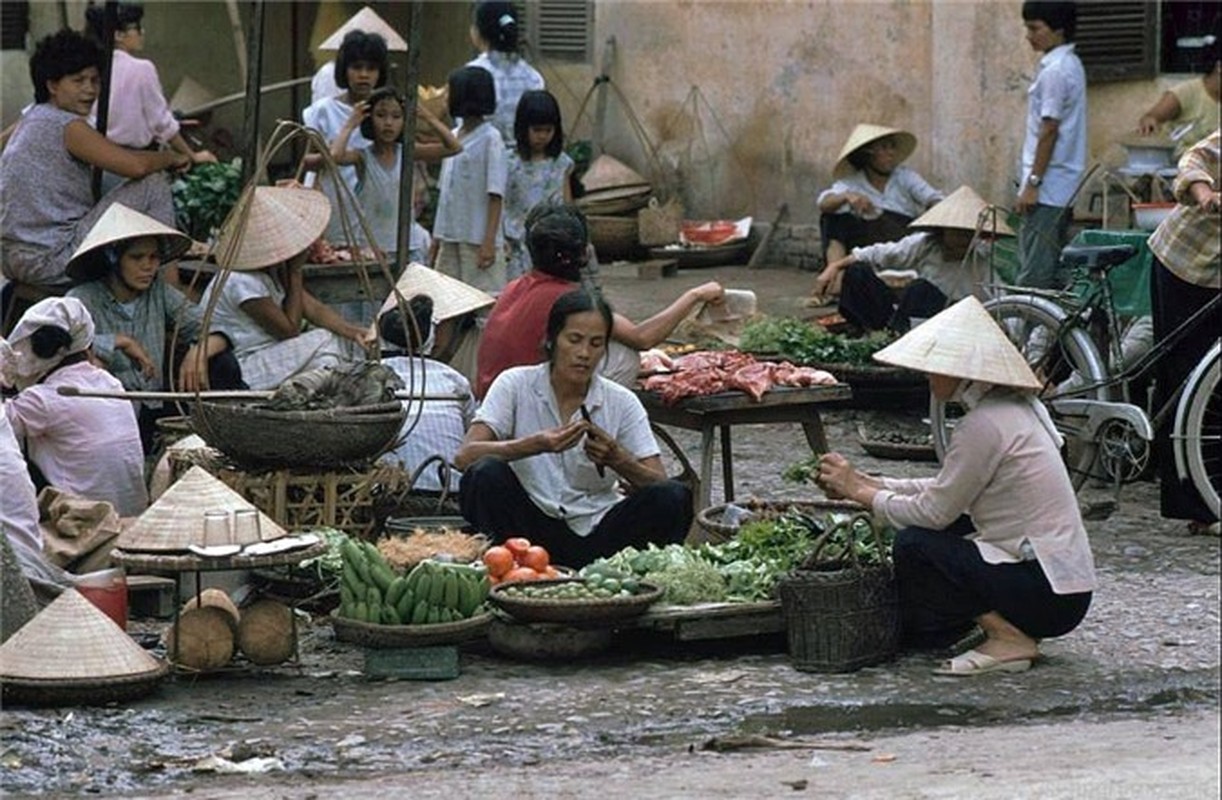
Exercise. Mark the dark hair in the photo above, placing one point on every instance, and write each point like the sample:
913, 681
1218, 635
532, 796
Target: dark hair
537, 107
558, 238
47, 340
128, 14
392, 329
385, 93
59, 54
1059, 15
577, 301
472, 92
113, 251
361, 46
497, 23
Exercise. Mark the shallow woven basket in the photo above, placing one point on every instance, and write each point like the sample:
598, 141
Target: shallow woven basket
368, 634
710, 518
614, 237
258, 436
100, 691
575, 612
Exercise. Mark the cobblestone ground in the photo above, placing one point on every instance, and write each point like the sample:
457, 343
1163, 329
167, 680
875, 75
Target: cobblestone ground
1143, 669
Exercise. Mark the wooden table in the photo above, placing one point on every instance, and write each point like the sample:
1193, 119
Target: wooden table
725, 410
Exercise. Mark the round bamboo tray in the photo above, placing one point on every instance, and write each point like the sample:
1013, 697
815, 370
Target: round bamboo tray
334, 437
32, 692
710, 518
902, 451
575, 612
367, 634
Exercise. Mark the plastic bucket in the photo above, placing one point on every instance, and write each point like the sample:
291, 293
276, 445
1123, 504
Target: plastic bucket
106, 589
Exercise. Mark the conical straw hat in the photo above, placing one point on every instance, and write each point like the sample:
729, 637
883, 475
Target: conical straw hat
962, 210
190, 95
608, 172
451, 297
71, 640
281, 222
176, 519
962, 341
865, 133
368, 21
118, 223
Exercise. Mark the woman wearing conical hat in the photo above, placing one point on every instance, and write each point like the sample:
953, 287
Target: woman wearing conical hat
874, 196
263, 302
946, 248
138, 313
995, 539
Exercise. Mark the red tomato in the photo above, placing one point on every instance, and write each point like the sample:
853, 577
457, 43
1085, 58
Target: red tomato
536, 558
518, 546
498, 560
520, 574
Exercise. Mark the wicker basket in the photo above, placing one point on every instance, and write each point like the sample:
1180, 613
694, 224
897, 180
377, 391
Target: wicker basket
101, 691
711, 518
575, 612
367, 634
261, 437
843, 615
614, 237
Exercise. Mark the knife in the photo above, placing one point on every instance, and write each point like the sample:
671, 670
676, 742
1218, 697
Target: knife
585, 414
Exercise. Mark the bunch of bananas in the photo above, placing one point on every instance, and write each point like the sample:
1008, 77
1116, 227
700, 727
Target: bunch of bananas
433, 592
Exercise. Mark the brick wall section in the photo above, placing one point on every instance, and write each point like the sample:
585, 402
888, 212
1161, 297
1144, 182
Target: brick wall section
793, 245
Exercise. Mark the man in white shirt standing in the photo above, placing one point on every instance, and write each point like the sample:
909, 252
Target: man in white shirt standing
1054, 150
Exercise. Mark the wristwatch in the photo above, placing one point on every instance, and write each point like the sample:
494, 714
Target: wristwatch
1034, 180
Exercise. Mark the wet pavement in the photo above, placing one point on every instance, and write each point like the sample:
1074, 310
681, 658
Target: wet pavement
1149, 648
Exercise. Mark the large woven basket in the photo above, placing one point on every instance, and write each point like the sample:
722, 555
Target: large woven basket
367, 634
711, 518
841, 615
614, 237
256, 436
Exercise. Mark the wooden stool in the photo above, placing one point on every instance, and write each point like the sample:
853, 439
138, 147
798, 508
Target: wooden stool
19, 297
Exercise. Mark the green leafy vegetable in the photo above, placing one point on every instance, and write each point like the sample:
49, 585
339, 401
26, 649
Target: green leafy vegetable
805, 343
204, 196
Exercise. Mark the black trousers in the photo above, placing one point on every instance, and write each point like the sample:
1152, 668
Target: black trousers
944, 584
853, 231
867, 302
494, 502
1172, 301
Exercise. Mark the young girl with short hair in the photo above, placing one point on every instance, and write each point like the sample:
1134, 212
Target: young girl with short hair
467, 227
380, 119
539, 171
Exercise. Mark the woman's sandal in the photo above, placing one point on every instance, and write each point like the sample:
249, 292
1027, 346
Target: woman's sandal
973, 662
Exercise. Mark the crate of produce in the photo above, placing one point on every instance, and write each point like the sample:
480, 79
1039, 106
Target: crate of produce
841, 606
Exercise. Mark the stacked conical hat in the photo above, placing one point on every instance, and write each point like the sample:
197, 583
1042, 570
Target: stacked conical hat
72, 642
608, 178
368, 21
280, 223
118, 223
451, 297
962, 341
962, 210
865, 133
176, 520
190, 95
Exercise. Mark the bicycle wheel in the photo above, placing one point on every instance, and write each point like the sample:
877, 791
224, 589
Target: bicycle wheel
1198, 429
1034, 324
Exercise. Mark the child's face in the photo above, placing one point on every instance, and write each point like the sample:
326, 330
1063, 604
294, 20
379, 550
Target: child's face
387, 119
540, 136
75, 92
362, 78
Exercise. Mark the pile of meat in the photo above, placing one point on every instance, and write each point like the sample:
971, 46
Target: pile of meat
708, 372
323, 252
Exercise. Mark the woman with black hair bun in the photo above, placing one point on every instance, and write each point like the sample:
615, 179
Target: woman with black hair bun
86, 447
361, 66
495, 30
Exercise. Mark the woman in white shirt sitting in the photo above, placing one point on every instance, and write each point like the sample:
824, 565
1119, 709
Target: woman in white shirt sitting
996, 538
525, 474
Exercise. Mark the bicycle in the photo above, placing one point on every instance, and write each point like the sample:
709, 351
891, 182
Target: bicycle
1064, 337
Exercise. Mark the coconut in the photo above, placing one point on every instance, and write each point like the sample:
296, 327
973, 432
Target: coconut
205, 640
216, 598
265, 634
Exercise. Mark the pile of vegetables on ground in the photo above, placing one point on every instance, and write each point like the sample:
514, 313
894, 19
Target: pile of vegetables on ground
748, 567
806, 343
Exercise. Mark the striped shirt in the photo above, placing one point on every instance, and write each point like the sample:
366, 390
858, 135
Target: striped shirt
1187, 242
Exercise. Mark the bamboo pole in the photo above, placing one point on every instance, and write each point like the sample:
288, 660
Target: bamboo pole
236, 394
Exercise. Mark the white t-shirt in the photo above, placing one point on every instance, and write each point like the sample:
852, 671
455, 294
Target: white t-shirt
19, 508
906, 192
243, 331
442, 424
328, 116
566, 485
466, 181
